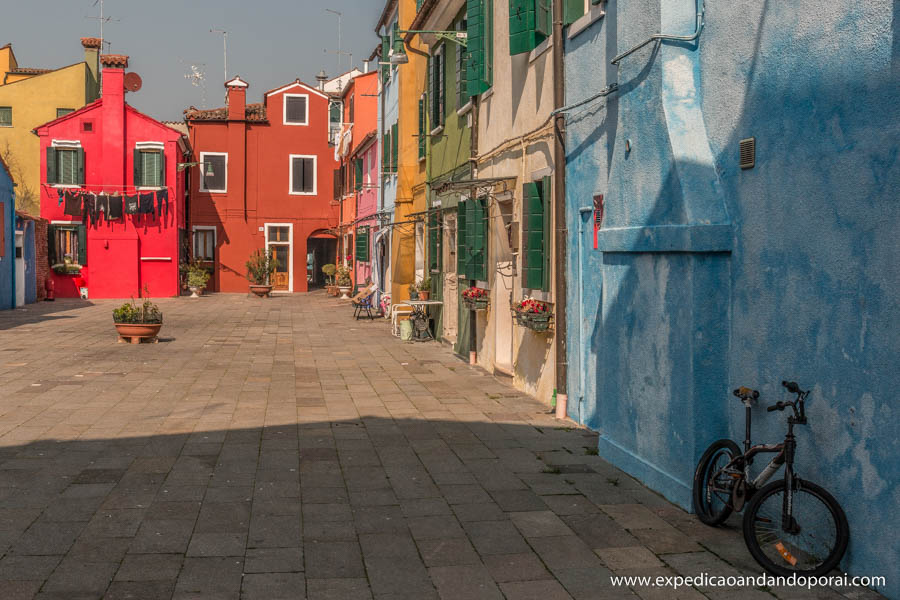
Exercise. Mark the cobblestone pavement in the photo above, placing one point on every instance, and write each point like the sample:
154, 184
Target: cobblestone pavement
278, 449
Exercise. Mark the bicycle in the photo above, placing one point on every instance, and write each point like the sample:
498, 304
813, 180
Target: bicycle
791, 526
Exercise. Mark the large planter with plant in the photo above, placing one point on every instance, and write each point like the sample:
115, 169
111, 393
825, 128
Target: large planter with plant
344, 282
329, 270
476, 298
135, 323
196, 277
424, 288
533, 314
259, 271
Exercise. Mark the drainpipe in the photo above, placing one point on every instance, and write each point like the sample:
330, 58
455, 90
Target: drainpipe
473, 152
559, 212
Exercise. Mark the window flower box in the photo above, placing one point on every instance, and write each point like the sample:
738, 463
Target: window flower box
533, 314
476, 298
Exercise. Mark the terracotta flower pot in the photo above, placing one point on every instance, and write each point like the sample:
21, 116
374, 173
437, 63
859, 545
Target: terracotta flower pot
261, 290
423, 295
138, 331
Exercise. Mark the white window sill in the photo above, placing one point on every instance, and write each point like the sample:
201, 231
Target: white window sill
465, 108
593, 15
149, 188
9, 126
67, 186
214, 191
157, 258
539, 50
437, 130
488, 93
301, 193
295, 124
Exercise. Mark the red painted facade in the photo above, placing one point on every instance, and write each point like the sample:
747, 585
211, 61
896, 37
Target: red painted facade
259, 205
126, 255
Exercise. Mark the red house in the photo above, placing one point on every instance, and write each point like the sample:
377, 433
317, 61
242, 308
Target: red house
265, 179
113, 195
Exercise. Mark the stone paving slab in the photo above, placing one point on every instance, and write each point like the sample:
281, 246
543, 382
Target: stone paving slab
276, 448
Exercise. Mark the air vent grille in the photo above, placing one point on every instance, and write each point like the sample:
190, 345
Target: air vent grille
748, 153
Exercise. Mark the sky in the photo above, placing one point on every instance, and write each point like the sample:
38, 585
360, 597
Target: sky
270, 42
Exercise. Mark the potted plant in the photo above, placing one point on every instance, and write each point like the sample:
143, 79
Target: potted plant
196, 277
137, 323
476, 298
329, 271
424, 288
344, 283
533, 314
259, 271
67, 267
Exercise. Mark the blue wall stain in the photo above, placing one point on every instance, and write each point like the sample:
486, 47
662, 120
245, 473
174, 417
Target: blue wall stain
709, 277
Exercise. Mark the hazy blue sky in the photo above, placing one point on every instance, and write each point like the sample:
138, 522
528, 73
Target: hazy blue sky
270, 42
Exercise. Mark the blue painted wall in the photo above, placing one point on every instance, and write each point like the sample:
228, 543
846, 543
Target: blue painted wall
7, 261
708, 277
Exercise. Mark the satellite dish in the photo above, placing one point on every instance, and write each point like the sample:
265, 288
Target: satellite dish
132, 82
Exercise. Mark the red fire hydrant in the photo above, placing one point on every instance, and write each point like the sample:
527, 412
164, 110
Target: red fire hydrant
49, 288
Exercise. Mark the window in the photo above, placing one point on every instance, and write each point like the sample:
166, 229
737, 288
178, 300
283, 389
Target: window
479, 46
61, 112
205, 243
529, 24
66, 244
303, 175
462, 97
536, 234
471, 238
350, 110
279, 233
362, 244
437, 88
65, 166
150, 167
434, 243
5, 116
335, 120
395, 145
358, 166
214, 172
295, 109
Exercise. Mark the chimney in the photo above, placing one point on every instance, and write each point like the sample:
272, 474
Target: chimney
92, 47
114, 66
365, 66
236, 98
321, 78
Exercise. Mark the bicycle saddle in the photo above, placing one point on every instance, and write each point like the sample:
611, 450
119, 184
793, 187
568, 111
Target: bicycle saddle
745, 393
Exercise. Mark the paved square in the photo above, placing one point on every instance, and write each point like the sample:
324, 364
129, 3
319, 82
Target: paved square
279, 449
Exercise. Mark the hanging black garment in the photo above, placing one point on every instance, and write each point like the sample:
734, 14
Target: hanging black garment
73, 205
103, 206
89, 202
115, 208
162, 202
146, 204
131, 205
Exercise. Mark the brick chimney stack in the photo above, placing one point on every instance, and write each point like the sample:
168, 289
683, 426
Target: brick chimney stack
92, 49
237, 99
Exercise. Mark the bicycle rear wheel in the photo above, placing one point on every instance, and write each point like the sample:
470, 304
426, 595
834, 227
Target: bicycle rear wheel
712, 487
820, 537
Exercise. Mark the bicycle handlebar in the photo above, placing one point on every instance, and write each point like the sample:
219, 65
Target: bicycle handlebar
776, 406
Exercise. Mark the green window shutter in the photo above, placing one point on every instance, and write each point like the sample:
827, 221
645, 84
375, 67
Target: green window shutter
82, 245
422, 123
385, 50
395, 147
441, 85
548, 233
433, 233
359, 173
51, 244
386, 152
572, 11
52, 177
79, 153
481, 238
461, 248
533, 234
472, 225
162, 168
138, 168
530, 23
362, 244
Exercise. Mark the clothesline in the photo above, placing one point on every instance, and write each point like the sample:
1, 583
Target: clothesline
81, 186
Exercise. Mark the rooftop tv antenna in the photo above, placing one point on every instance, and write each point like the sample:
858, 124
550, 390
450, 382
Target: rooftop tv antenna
340, 49
224, 48
197, 77
102, 19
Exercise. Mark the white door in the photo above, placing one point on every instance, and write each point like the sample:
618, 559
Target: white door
20, 268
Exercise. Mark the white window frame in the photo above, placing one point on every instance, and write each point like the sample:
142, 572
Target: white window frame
284, 99
291, 158
212, 228
289, 243
203, 188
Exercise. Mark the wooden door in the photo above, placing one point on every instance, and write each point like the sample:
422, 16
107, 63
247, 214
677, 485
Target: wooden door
281, 278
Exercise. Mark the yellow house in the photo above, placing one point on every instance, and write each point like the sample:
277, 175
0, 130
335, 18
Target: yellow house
407, 244
31, 97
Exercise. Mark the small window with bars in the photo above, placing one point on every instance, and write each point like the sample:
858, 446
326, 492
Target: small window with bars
295, 109
303, 175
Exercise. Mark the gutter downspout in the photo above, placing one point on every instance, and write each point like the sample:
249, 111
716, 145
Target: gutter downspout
559, 214
473, 148
584, 210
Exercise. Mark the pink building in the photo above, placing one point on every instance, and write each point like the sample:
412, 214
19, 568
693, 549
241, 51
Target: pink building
113, 195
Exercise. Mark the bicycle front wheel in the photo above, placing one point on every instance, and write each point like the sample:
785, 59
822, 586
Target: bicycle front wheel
814, 544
